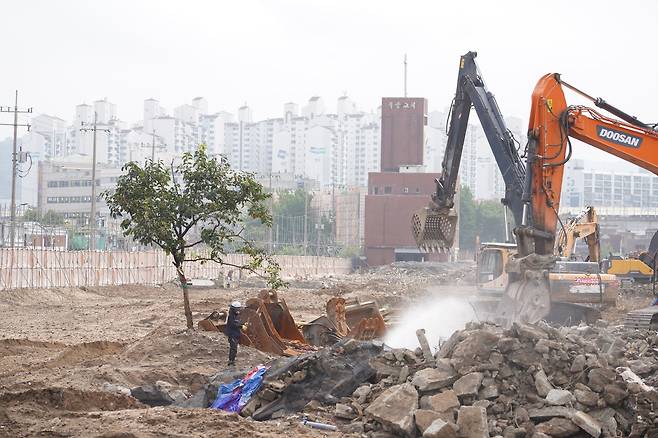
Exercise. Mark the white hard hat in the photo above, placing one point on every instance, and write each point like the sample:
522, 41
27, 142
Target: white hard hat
236, 304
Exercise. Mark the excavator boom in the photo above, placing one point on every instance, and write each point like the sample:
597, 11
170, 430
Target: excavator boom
434, 226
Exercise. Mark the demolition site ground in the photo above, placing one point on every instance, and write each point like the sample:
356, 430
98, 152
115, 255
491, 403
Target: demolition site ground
118, 362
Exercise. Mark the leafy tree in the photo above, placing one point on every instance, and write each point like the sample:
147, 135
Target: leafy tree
199, 202
485, 219
49, 218
467, 219
31, 214
291, 203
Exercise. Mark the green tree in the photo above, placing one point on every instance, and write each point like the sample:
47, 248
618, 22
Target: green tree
49, 218
291, 203
490, 221
467, 219
485, 219
199, 202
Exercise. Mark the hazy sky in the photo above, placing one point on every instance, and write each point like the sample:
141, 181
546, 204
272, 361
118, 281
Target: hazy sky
61, 53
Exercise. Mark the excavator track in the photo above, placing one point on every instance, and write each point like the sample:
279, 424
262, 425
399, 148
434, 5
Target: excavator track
642, 319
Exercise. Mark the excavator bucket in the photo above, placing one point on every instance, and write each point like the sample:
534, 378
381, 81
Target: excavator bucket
362, 321
269, 326
434, 228
280, 316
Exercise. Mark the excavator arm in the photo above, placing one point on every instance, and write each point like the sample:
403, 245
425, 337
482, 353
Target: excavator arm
551, 124
434, 226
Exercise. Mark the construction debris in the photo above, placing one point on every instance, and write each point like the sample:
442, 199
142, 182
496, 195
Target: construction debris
529, 381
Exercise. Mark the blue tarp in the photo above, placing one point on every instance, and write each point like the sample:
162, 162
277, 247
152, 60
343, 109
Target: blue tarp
232, 397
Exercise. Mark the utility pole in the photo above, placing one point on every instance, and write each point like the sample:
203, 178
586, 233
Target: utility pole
271, 210
92, 213
405, 75
305, 220
153, 145
14, 161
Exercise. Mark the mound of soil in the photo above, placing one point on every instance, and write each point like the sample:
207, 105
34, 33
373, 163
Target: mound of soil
67, 399
85, 352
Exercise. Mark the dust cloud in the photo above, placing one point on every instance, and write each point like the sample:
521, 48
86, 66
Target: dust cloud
440, 317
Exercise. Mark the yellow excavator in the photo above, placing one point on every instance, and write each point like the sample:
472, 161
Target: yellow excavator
492, 258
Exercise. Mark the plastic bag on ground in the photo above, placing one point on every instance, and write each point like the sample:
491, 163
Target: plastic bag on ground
232, 397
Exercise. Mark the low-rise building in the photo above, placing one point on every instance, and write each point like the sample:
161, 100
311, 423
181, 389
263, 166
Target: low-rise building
65, 188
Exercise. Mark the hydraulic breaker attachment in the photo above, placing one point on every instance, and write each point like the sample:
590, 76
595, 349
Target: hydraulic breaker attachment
526, 301
434, 228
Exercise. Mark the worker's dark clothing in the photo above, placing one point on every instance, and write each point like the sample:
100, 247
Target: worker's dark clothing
233, 325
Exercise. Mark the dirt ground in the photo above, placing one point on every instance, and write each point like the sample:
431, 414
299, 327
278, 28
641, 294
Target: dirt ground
61, 348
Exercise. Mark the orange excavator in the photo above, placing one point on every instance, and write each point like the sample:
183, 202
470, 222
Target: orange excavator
552, 123
528, 297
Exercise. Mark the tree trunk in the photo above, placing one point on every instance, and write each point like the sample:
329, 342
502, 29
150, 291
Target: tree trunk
186, 297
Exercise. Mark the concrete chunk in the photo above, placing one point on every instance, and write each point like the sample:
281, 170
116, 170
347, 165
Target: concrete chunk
468, 385
587, 398
472, 422
529, 332
444, 401
550, 412
559, 397
587, 423
542, 383
424, 346
425, 417
558, 427
431, 379
395, 408
440, 429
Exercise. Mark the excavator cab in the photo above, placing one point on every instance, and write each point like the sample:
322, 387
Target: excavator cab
434, 228
492, 258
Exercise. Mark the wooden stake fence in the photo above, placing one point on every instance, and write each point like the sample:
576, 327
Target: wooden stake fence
46, 268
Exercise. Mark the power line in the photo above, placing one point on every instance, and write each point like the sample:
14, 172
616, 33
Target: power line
14, 160
92, 214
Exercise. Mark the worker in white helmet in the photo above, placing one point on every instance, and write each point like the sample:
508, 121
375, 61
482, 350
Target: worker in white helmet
233, 327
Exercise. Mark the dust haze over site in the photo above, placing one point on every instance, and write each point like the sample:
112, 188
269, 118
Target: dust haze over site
268, 53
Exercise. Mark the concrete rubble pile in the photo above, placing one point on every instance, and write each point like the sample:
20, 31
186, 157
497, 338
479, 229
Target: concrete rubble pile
530, 381
533, 381
436, 272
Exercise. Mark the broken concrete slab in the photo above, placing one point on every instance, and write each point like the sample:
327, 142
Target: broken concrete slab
549, 412
472, 422
558, 427
152, 395
361, 393
587, 423
424, 346
440, 429
530, 332
444, 401
559, 397
468, 385
425, 417
578, 364
586, 397
542, 384
489, 392
395, 408
344, 411
599, 377
432, 379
